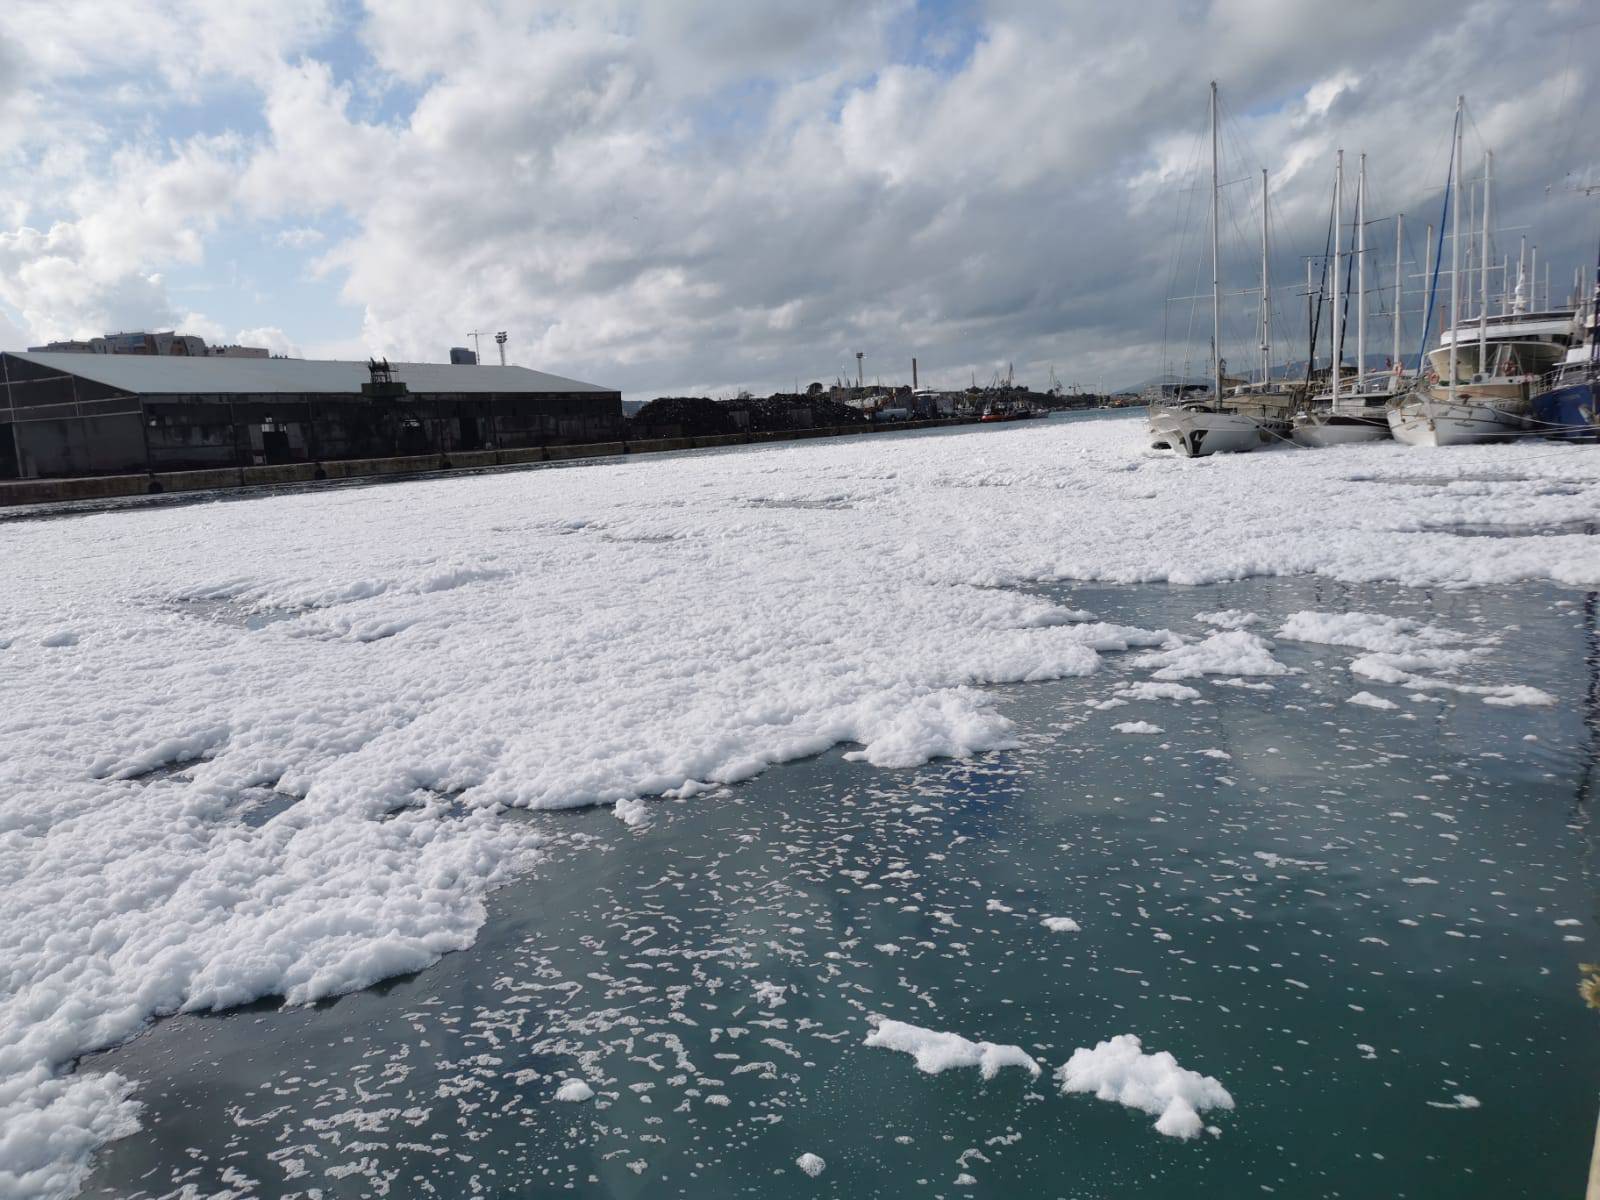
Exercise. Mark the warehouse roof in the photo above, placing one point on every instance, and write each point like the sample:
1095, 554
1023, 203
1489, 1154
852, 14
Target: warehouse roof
176, 375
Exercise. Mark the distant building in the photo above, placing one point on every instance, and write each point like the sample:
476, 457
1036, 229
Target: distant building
66, 413
460, 356
165, 344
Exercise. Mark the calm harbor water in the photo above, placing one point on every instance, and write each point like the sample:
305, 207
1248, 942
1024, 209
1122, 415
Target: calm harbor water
1354, 918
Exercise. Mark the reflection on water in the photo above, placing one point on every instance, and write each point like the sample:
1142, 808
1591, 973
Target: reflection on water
1351, 917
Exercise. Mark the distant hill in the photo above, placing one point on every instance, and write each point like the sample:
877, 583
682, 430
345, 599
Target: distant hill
1289, 370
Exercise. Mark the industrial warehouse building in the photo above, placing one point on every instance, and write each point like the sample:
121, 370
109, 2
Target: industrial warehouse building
70, 414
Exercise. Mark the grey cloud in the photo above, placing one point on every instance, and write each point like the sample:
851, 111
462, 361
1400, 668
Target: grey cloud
558, 176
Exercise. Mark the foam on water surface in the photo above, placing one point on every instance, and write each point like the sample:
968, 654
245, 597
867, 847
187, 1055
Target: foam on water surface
623, 631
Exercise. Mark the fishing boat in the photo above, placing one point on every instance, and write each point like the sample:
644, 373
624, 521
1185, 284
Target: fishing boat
1002, 410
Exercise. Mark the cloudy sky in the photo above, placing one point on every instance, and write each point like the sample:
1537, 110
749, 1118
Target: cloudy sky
670, 196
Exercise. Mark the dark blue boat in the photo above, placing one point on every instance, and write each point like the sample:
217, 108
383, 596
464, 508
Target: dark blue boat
1568, 409
1565, 405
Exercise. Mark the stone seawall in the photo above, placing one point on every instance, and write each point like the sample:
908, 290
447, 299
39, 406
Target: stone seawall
109, 487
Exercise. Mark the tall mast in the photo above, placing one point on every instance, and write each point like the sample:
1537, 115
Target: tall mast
1483, 271
1471, 249
1361, 272
1594, 313
1533, 278
1311, 327
1427, 281
1455, 249
1399, 286
1338, 316
1266, 332
1519, 299
1216, 279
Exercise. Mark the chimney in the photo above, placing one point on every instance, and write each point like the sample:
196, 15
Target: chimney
913, 374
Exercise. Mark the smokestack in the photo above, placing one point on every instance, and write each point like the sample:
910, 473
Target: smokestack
913, 374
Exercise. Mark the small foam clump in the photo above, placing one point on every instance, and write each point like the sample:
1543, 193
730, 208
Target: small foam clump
1368, 700
1236, 652
632, 813
1120, 1070
936, 1051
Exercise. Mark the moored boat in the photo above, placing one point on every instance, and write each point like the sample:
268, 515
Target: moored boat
1226, 419
1566, 402
1434, 415
1363, 417
1481, 390
1569, 409
1197, 428
1341, 418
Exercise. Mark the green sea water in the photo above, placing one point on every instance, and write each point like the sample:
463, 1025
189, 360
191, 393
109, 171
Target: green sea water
1365, 923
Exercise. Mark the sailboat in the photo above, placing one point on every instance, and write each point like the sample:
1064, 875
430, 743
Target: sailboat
1248, 415
1482, 393
1340, 418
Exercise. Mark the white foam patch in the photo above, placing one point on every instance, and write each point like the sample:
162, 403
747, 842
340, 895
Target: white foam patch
1409, 654
49, 1126
1151, 690
632, 813
1119, 1070
1235, 652
1061, 925
1368, 700
1137, 727
1520, 695
552, 639
1367, 631
771, 995
1228, 618
811, 1164
574, 1091
936, 1051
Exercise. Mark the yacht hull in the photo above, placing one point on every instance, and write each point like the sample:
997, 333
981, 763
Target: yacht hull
1321, 431
1419, 422
1194, 433
1570, 412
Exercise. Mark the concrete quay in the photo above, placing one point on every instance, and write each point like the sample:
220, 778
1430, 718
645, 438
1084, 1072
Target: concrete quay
17, 493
